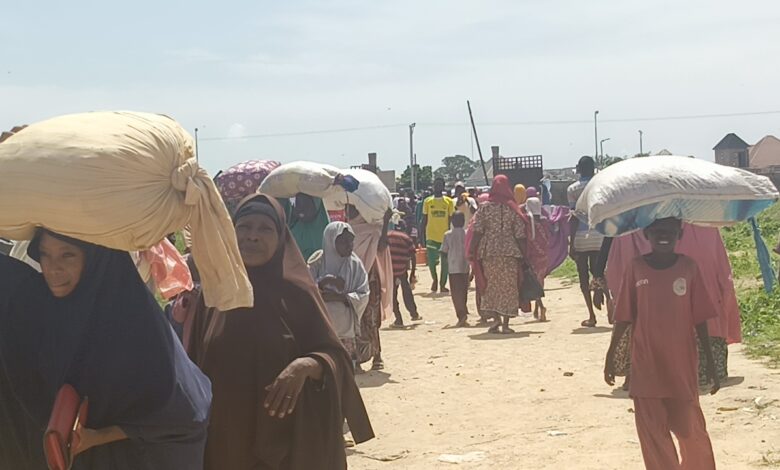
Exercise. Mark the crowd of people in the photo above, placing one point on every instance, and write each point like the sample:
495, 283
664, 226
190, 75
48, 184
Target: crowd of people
272, 386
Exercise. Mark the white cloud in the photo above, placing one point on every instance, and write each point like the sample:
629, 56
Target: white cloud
236, 131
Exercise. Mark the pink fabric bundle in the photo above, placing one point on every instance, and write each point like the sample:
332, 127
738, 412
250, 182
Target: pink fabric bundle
168, 269
558, 245
243, 179
705, 246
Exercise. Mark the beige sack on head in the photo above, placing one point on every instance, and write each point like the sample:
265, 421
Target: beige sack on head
123, 180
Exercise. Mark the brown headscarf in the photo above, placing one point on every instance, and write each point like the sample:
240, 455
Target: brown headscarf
244, 350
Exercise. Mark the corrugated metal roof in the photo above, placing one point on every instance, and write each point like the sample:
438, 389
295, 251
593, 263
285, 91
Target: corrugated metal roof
731, 142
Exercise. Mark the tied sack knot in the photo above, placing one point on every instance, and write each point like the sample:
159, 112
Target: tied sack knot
183, 179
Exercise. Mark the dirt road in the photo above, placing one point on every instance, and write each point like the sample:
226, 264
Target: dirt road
510, 402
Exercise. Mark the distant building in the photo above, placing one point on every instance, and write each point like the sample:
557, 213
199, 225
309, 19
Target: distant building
762, 158
386, 176
732, 151
765, 153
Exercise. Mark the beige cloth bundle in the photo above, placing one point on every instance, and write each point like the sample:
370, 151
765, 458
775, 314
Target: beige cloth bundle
123, 180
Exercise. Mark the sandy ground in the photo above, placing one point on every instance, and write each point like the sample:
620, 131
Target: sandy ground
506, 403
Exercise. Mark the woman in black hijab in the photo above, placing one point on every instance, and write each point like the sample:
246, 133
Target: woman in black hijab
89, 321
283, 383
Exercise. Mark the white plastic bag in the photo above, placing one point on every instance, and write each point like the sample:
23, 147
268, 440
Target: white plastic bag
372, 198
314, 179
631, 194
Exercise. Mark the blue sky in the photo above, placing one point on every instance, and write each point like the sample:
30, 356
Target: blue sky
238, 69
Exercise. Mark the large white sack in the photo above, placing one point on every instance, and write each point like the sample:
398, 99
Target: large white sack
631, 194
372, 198
123, 180
314, 179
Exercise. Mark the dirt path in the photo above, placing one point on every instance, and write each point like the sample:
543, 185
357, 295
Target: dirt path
505, 402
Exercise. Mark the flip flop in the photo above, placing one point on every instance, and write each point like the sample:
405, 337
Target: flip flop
588, 324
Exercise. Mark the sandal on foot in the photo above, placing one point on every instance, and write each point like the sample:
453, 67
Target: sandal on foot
378, 365
588, 323
507, 331
494, 329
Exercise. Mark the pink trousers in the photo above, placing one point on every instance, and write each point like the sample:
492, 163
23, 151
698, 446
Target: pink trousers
657, 419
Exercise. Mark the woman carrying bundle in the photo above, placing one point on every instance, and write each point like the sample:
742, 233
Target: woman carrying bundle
283, 382
89, 321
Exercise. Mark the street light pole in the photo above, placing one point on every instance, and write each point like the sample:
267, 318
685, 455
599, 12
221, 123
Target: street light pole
641, 149
601, 146
196, 144
411, 157
596, 132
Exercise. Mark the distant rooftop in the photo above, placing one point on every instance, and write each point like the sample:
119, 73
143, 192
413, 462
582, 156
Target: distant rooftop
731, 142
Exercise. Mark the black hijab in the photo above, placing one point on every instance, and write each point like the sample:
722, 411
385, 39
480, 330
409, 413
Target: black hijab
108, 339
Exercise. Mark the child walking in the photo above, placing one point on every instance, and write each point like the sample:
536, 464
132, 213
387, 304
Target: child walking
454, 246
666, 304
402, 253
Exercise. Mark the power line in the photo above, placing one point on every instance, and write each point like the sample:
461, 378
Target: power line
496, 123
289, 134
590, 121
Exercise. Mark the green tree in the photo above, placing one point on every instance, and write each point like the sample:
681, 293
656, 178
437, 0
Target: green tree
424, 177
604, 161
456, 168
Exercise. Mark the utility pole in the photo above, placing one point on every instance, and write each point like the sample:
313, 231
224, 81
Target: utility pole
196, 144
596, 132
641, 150
479, 149
411, 157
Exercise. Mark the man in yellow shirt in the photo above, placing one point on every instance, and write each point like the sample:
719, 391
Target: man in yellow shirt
437, 212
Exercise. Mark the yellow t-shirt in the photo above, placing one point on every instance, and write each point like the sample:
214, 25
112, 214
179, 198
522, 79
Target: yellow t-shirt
439, 210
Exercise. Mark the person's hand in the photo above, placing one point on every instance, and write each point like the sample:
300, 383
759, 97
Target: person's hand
331, 282
330, 296
572, 252
609, 372
283, 393
383, 242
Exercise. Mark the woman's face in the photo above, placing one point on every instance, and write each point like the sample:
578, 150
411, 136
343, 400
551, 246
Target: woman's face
61, 263
305, 208
258, 239
345, 243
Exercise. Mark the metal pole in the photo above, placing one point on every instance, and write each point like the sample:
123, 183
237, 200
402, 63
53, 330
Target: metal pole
196, 144
411, 157
596, 131
479, 149
600, 161
641, 150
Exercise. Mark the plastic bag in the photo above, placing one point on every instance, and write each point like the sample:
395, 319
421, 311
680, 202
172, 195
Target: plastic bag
372, 198
630, 195
314, 179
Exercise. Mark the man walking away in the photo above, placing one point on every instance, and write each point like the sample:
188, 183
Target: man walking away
584, 243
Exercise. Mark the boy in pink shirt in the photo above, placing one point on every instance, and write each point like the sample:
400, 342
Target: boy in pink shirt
665, 302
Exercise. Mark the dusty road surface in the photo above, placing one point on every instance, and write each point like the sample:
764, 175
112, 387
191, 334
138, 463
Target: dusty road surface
511, 402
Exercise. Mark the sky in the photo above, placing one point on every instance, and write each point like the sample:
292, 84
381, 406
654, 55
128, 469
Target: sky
331, 81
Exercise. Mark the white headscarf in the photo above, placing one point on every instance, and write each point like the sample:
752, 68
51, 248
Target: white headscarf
328, 261
534, 208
